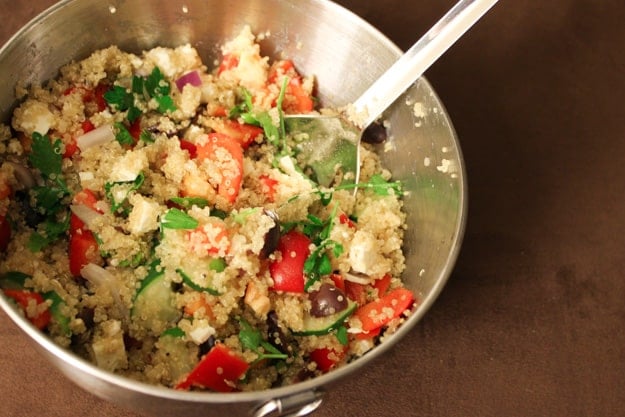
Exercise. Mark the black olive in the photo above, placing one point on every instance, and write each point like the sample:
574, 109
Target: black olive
207, 346
375, 133
272, 238
327, 301
275, 335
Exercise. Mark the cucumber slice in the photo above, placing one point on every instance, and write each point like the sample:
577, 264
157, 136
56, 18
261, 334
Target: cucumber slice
154, 307
317, 326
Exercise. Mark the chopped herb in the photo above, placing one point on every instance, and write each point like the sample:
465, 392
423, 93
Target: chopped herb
342, 336
318, 262
174, 332
118, 97
377, 184
122, 135
146, 137
241, 216
142, 90
178, 219
118, 192
252, 339
188, 202
48, 232
46, 155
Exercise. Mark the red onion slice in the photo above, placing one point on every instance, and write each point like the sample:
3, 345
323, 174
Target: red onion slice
98, 136
192, 78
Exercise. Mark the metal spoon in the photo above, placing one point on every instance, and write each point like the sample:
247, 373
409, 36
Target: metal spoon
327, 144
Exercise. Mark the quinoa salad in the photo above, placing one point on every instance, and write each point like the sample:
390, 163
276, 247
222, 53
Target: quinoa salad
155, 220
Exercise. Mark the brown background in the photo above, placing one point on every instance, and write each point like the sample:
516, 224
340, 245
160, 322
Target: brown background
531, 322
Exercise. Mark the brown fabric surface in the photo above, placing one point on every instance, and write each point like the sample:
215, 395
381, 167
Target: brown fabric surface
531, 321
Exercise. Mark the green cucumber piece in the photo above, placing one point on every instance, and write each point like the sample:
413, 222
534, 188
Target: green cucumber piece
154, 307
317, 326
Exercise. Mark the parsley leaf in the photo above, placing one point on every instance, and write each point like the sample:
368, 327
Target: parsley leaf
118, 192
318, 262
120, 98
122, 135
377, 184
48, 232
177, 219
46, 155
188, 202
252, 339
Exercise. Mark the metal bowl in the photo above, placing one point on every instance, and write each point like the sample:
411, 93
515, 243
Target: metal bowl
345, 54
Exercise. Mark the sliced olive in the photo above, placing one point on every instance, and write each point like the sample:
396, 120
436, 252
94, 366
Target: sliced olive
375, 133
275, 335
327, 300
272, 238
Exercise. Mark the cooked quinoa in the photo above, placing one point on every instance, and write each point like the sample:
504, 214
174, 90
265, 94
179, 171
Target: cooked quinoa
154, 219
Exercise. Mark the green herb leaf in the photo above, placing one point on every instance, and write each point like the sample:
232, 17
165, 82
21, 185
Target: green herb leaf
122, 135
188, 202
342, 336
177, 219
119, 98
252, 339
46, 155
49, 232
117, 192
146, 137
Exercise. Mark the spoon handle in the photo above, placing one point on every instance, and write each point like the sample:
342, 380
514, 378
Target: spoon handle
403, 73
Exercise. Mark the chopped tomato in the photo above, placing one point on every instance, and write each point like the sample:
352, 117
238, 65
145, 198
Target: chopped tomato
210, 239
87, 198
326, 358
296, 99
83, 249
219, 370
98, 96
356, 292
28, 299
245, 134
5, 233
368, 335
135, 129
338, 281
268, 187
382, 284
381, 311
344, 219
288, 270
216, 110
228, 62
196, 304
189, 147
232, 173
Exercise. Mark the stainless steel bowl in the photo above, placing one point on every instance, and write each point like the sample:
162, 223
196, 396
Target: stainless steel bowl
345, 54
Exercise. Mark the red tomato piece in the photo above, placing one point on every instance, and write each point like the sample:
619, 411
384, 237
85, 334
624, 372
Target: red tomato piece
5, 233
98, 96
338, 281
189, 147
87, 198
356, 292
228, 62
288, 271
245, 134
268, 186
135, 129
25, 298
381, 311
232, 176
83, 249
382, 284
344, 219
326, 358
218, 370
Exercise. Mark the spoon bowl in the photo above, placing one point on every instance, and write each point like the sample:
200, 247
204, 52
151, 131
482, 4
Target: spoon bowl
328, 145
